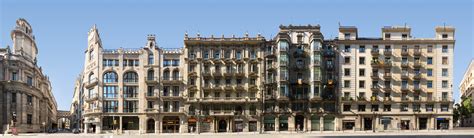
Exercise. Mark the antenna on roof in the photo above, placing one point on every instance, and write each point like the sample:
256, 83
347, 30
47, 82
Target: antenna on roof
444, 26
339, 23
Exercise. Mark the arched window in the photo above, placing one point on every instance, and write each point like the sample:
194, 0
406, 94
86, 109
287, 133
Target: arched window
150, 75
175, 74
130, 77
166, 75
91, 54
91, 77
150, 59
110, 77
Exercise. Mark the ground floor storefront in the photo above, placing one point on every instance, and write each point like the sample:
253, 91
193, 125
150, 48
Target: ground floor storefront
299, 122
394, 122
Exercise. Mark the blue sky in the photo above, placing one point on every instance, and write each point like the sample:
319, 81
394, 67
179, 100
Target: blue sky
61, 26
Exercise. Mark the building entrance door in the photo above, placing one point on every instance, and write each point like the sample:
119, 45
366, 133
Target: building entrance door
367, 123
222, 126
299, 122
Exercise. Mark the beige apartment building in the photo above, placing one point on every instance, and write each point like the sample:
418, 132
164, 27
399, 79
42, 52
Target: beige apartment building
296, 81
397, 81
26, 100
467, 90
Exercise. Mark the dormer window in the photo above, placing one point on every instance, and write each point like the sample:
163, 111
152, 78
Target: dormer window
404, 36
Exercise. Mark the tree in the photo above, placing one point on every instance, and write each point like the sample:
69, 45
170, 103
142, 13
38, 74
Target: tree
463, 109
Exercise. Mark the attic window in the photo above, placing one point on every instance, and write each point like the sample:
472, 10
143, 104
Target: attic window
404, 36
347, 36
445, 35
387, 35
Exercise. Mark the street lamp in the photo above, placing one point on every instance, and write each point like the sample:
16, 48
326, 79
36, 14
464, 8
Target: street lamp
44, 126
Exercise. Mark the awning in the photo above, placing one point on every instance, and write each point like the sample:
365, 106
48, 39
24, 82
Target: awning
192, 120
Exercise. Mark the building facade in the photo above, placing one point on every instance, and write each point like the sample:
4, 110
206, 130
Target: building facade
297, 81
27, 101
467, 90
396, 82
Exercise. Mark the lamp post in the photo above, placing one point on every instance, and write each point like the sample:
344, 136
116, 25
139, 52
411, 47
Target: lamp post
44, 126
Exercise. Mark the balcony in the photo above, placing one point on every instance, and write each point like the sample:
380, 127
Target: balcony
375, 87
206, 73
172, 80
417, 88
387, 64
375, 52
151, 96
387, 76
387, 88
270, 66
417, 52
374, 99
316, 62
387, 52
387, 99
405, 52
151, 80
173, 110
375, 75
329, 53
270, 81
229, 73
361, 99
376, 63
92, 97
269, 53
240, 73
299, 97
347, 99
92, 82
217, 73
93, 111
405, 64
405, 87
405, 75
417, 76
228, 87
417, 64
405, 99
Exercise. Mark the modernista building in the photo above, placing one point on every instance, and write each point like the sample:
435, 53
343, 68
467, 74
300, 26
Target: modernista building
296, 81
26, 100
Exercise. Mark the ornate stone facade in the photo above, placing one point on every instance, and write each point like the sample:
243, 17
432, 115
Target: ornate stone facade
25, 92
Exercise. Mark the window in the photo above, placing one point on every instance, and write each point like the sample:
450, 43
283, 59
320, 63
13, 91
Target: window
404, 108
429, 107
375, 108
361, 84
150, 59
227, 54
444, 84
175, 62
404, 36
14, 76
130, 106
29, 119
444, 107
347, 60
362, 60
110, 106
91, 54
238, 54
347, 108
445, 61
130, 91
361, 72
445, 49
404, 84
430, 49
29, 81
150, 91
429, 72
361, 49
444, 72
166, 62
149, 105
130, 77
316, 91
387, 108
283, 45
429, 84
13, 98
347, 36
444, 96
347, 48
347, 84
347, 72
361, 108
110, 77
429, 61
253, 54
444, 36
29, 100
217, 54
206, 54
110, 91
387, 35
416, 108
